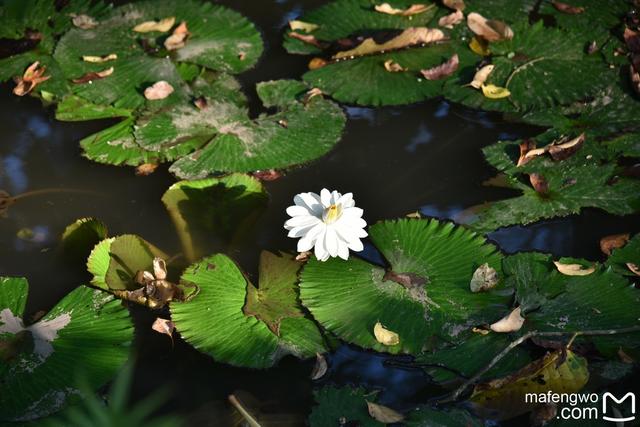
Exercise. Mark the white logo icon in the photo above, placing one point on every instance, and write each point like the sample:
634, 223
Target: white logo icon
607, 396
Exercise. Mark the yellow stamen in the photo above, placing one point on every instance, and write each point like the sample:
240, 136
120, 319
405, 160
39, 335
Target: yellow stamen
331, 214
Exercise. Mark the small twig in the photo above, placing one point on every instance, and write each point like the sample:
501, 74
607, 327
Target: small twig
457, 392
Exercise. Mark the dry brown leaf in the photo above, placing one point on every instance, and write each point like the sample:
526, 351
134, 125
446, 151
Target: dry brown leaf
567, 149
510, 323
414, 9
443, 70
385, 336
480, 331
159, 90
32, 77
307, 38
614, 241
90, 76
567, 8
146, 169
632, 40
310, 94
542, 414
320, 367
99, 59
267, 175
242, 55
634, 268
393, 67
489, 29
303, 256
178, 38
528, 146
454, 4
574, 269
201, 103
483, 279
164, 326
316, 63
539, 183
84, 22
624, 357
481, 76
409, 37
451, 20
635, 79
307, 27
161, 26
384, 414
414, 215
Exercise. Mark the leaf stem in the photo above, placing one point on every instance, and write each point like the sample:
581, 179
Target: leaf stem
522, 67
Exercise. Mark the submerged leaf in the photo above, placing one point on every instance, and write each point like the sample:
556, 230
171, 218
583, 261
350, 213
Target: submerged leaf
414, 9
161, 26
385, 336
495, 92
490, 30
574, 269
159, 90
443, 70
510, 323
409, 37
384, 414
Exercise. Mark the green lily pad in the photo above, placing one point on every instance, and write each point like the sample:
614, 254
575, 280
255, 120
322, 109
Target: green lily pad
298, 133
434, 260
208, 210
79, 238
15, 66
243, 325
589, 178
87, 330
72, 108
628, 254
540, 66
336, 406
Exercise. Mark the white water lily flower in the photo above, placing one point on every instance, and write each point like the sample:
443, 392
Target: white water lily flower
330, 222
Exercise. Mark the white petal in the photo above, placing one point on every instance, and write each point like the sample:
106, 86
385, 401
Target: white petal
319, 250
331, 241
311, 201
298, 211
356, 245
343, 250
345, 232
335, 196
301, 221
325, 197
354, 223
309, 239
296, 232
352, 212
346, 200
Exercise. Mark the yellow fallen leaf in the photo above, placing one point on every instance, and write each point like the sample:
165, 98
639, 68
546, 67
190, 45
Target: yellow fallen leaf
98, 59
481, 76
557, 372
307, 27
409, 37
414, 9
385, 336
161, 26
479, 46
384, 414
510, 323
393, 67
495, 92
574, 269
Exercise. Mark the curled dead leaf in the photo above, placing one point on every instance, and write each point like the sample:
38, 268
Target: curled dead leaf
574, 269
307, 38
98, 59
90, 76
178, 38
409, 37
634, 268
483, 279
539, 183
164, 326
385, 336
32, 77
161, 26
632, 40
159, 90
316, 63
454, 4
384, 414
451, 20
480, 331
624, 357
489, 29
201, 103
614, 241
320, 368
146, 169
84, 22
414, 9
414, 215
510, 323
495, 92
527, 146
479, 46
311, 93
303, 256
307, 27
567, 8
481, 76
564, 150
443, 70
393, 67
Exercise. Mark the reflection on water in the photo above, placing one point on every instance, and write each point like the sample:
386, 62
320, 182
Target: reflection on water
425, 157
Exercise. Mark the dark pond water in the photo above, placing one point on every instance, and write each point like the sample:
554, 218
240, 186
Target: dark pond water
424, 157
